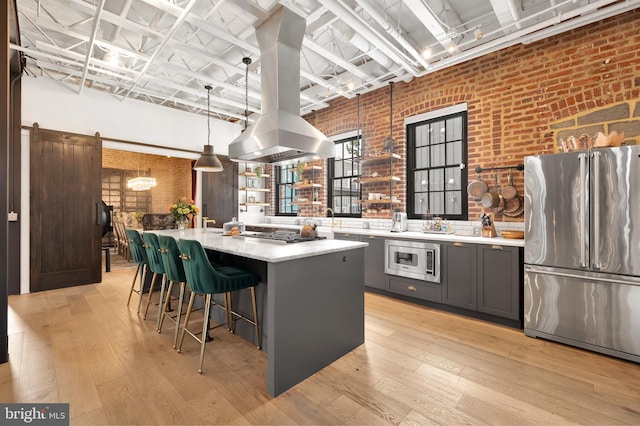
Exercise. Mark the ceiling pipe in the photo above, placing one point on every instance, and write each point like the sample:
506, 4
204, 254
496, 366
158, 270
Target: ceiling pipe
549, 24
515, 12
348, 16
503, 41
92, 44
351, 36
392, 31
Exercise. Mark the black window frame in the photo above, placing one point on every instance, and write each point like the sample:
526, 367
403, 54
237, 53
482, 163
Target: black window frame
331, 178
412, 169
289, 171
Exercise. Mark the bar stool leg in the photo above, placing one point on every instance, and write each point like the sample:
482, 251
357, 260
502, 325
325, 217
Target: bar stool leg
161, 300
175, 336
142, 280
255, 316
186, 320
205, 330
133, 284
165, 303
151, 287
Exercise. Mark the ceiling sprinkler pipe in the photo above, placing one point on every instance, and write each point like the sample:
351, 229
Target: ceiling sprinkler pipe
349, 17
351, 36
392, 31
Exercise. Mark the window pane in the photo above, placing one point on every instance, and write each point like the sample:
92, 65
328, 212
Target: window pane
422, 135
338, 169
454, 129
436, 180
420, 204
454, 202
453, 176
454, 153
421, 181
422, 157
338, 151
437, 155
436, 203
437, 132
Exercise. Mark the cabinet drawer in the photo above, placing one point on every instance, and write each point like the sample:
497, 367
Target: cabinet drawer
417, 289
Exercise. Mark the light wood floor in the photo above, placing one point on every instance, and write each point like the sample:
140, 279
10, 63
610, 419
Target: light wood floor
83, 346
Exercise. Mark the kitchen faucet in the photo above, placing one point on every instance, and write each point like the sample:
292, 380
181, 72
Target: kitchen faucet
333, 222
206, 221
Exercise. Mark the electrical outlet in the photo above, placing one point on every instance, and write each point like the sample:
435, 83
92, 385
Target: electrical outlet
12, 217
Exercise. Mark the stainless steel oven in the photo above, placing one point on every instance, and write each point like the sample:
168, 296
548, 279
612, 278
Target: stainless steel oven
413, 259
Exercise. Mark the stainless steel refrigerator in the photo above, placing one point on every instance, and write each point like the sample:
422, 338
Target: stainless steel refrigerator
582, 249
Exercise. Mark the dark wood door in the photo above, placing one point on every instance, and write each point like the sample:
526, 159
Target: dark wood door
65, 192
220, 193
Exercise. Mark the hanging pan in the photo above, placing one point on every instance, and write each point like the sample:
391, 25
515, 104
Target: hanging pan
518, 211
509, 191
477, 188
511, 205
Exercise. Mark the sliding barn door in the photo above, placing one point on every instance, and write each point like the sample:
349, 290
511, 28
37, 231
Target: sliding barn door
65, 192
220, 193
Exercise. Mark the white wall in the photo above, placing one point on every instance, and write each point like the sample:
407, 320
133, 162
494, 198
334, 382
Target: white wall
57, 106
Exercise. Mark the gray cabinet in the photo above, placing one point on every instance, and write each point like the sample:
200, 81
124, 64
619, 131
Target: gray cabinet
459, 286
346, 236
374, 275
499, 283
417, 289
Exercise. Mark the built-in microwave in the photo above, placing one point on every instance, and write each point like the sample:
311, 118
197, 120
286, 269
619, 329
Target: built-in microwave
413, 259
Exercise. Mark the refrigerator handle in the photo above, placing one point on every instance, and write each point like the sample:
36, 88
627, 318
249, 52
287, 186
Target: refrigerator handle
596, 210
582, 157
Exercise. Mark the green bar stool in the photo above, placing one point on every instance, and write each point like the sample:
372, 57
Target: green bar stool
139, 256
156, 265
173, 268
205, 279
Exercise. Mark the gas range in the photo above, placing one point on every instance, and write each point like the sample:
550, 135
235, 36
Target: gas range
281, 237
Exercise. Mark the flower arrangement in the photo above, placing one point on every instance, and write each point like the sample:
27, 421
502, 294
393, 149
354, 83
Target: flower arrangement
184, 209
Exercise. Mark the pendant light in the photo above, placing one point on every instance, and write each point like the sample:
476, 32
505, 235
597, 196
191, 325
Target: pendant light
208, 161
141, 183
389, 142
247, 61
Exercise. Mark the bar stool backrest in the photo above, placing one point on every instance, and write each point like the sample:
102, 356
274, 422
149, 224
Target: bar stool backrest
170, 255
204, 278
138, 252
151, 246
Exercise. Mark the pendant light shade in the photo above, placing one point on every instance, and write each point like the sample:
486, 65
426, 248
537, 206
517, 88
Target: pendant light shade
208, 161
389, 142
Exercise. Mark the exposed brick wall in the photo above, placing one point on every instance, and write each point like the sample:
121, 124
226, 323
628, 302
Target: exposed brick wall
173, 175
513, 97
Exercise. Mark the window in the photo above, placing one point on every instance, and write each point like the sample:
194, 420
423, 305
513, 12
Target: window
115, 192
285, 178
437, 151
344, 170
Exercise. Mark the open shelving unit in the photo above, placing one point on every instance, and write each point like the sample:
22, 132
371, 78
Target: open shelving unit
259, 187
308, 186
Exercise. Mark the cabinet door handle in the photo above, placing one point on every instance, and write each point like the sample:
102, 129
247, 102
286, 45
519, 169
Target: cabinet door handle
372, 237
411, 288
495, 247
458, 244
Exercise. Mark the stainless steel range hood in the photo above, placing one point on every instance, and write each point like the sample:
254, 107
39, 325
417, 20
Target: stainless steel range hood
280, 134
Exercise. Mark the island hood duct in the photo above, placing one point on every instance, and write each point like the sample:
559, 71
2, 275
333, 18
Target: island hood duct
280, 135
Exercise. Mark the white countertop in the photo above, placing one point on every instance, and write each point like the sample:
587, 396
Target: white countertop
433, 237
325, 230
253, 248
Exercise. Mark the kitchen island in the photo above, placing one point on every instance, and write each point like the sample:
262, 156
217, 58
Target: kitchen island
310, 299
